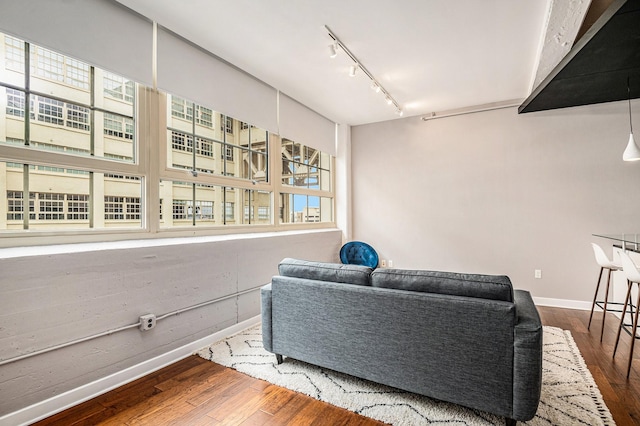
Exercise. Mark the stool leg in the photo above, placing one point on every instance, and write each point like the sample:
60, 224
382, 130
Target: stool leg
624, 310
633, 336
631, 309
595, 296
604, 309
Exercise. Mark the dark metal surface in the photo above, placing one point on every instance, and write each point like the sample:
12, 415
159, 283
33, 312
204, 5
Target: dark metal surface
597, 67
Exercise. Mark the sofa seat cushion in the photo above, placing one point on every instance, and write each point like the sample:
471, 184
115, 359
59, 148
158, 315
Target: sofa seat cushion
322, 271
493, 287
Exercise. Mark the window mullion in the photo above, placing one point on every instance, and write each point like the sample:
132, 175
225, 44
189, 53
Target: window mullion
92, 200
92, 96
27, 93
25, 197
152, 107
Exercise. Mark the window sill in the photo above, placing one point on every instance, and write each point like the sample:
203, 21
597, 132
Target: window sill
45, 250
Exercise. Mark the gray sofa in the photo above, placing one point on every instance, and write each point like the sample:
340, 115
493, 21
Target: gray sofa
467, 339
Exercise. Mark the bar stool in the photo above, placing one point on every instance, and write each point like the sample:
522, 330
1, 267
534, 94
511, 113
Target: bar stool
610, 265
633, 276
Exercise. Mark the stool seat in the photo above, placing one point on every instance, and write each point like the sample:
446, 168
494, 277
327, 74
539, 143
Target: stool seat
603, 260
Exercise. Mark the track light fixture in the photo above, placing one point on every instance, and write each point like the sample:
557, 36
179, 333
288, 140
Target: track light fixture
375, 85
333, 50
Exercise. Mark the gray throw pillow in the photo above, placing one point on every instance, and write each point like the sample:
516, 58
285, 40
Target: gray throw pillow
334, 272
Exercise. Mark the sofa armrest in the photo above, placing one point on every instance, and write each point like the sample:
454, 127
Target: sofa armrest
527, 354
265, 300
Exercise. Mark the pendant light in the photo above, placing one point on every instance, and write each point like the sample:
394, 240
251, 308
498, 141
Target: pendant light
631, 152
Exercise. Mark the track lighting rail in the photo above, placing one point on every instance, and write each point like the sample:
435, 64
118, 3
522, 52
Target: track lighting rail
375, 84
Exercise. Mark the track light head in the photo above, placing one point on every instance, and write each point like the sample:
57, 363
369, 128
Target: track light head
389, 100
375, 87
333, 50
400, 112
352, 70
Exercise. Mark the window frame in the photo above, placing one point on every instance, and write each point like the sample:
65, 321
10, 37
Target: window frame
149, 164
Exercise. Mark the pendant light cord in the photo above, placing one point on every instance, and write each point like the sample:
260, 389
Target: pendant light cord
629, 93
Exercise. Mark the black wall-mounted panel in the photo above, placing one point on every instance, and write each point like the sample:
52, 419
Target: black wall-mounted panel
598, 66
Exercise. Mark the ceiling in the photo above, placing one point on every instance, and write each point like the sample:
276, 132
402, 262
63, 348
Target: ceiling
598, 66
430, 55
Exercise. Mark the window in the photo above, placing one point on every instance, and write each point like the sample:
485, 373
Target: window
179, 209
118, 126
50, 206
15, 102
227, 125
62, 107
218, 151
297, 208
180, 108
71, 158
205, 147
257, 207
228, 153
305, 168
118, 87
77, 117
204, 116
54, 66
50, 110
15, 207
77, 207
48, 64
229, 211
179, 141
14, 54
212, 205
121, 208
263, 213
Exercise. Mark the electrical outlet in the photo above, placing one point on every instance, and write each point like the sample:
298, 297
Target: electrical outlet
390, 263
537, 273
383, 263
147, 322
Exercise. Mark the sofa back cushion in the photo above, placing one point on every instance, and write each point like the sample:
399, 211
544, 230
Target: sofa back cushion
334, 272
494, 287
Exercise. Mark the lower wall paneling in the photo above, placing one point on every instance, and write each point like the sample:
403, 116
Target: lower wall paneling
53, 299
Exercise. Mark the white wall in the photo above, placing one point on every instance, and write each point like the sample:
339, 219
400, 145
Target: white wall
498, 193
52, 299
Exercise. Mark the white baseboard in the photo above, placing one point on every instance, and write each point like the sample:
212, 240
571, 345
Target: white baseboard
562, 303
83, 393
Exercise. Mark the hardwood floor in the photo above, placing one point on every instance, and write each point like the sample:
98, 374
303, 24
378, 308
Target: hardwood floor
621, 395
198, 392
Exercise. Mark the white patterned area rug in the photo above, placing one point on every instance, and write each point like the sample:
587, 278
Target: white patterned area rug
569, 393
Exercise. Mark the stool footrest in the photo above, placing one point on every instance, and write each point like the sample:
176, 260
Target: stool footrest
600, 304
630, 310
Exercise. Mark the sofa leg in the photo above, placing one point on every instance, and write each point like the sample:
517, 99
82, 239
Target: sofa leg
510, 422
279, 359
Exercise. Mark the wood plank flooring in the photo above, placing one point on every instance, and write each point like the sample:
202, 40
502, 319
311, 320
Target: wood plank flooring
198, 392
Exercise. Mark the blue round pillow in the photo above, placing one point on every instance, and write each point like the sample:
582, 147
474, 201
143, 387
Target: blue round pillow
358, 253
